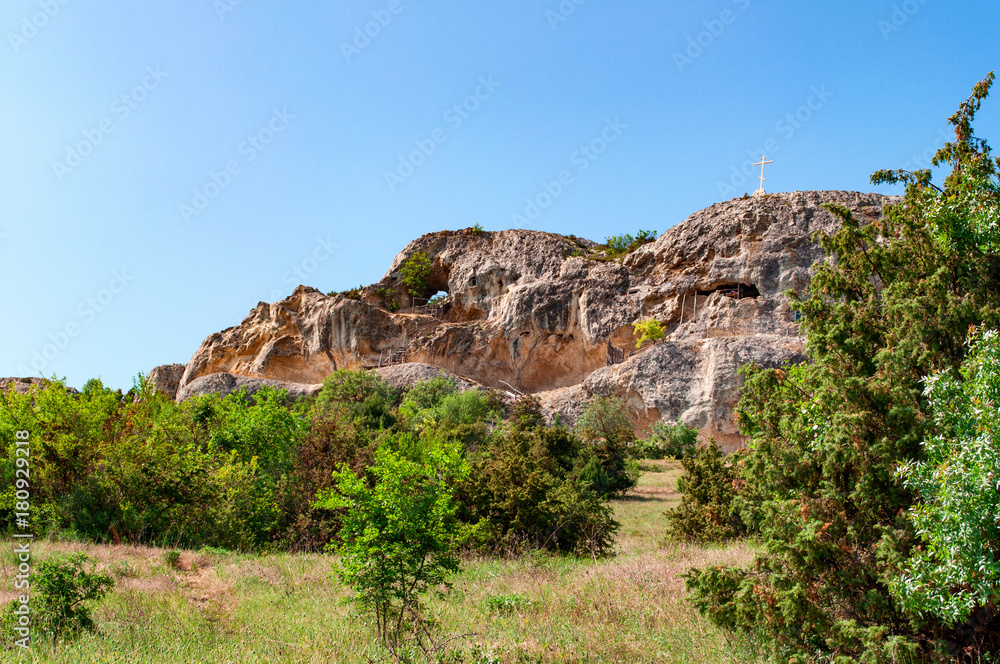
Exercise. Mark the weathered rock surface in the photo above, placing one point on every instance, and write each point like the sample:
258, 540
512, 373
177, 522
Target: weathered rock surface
405, 376
227, 383
25, 385
167, 378
535, 311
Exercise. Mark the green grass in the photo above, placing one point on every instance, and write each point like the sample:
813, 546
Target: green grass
226, 607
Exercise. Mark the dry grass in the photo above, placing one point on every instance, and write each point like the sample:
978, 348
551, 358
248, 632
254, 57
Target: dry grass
287, 607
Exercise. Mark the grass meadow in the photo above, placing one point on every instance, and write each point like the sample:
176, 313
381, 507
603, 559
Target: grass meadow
232, 608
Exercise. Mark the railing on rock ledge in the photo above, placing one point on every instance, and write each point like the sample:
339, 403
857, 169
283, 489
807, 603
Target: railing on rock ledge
617, 355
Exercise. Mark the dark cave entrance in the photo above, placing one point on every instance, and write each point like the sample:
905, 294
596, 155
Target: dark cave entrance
733, 291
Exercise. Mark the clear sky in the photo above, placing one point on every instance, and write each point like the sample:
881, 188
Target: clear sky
165, 166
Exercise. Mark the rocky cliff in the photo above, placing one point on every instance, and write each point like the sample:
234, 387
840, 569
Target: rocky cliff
536, 312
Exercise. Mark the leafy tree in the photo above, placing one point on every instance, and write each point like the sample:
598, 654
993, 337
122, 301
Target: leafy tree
667, 441
957, 573
708, 488
416, 269
650, 330
368, 397
617, 245
819, 481
63, 589
533, 488
399, 536
605, 426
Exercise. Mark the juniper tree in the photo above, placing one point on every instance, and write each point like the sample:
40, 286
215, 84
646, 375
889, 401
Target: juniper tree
890, 307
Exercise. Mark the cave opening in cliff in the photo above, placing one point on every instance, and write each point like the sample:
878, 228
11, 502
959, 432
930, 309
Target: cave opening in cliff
733, 291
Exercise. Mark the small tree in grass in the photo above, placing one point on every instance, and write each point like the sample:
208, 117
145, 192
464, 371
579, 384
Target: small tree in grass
62, 590
399, 538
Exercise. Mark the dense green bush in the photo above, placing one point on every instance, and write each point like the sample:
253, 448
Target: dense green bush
957, 572
708, 488
524, 487
667, 441
416, 269
62, 589
369, 398
243, 473
606, 429
623, 244
333, 441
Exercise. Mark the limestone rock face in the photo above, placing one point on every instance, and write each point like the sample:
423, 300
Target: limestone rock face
166, 378
26, 385
405, 376
227, 383
534, 311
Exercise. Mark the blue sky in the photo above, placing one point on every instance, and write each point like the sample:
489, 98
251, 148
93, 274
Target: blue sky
166, 166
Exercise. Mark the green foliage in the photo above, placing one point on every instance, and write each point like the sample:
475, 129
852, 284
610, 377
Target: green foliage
605, 426
334, 439
819, 482
416, 269
388, 297
593, 477
525, 490
618, 245
367, 396
172, 558
708, 488
958, 571
512, 603
650, 330
62, 589
399, 535
425, 395
457, 409
478, 229
667, 441
262, 428
350, 294
527, 412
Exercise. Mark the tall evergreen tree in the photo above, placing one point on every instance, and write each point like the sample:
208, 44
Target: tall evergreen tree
891, 306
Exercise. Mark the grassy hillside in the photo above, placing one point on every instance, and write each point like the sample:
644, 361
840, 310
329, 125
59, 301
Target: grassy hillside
226, 607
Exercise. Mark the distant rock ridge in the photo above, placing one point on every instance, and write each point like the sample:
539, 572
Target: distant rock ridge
534, 312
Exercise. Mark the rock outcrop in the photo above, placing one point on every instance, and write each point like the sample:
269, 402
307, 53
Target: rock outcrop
26, 385
167, 378
535, 312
